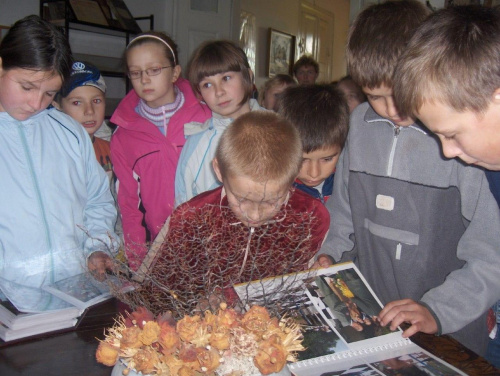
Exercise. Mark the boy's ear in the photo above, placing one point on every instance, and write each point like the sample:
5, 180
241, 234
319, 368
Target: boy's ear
177, 73
496, 96
56, 105
215, 165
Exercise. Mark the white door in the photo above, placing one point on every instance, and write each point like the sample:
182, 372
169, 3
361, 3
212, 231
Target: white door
196, 21
316, 38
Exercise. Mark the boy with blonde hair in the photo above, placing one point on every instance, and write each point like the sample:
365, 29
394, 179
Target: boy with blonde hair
254, 226
422, 228
451, 65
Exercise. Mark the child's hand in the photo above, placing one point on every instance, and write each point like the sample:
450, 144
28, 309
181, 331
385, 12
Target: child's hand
323, 261
98, 262
407, 310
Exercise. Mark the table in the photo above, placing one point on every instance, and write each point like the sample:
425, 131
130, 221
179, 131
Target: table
73, 352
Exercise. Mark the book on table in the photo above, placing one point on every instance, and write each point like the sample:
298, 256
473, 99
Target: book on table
338, 310
71, 297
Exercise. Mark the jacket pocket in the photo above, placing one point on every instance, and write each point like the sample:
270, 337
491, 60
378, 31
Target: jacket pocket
391, 233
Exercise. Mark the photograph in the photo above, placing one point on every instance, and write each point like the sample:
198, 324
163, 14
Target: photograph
349, 306
417, 364
281, 53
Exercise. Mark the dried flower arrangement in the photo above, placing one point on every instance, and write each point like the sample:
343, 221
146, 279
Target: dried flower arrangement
225, 343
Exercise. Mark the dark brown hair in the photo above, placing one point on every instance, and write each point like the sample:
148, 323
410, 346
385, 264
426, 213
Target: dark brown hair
214, 57
305, 61
35, 44
377, 39
319, 112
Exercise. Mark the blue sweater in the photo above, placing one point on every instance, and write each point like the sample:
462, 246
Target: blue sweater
494, 180
325, 193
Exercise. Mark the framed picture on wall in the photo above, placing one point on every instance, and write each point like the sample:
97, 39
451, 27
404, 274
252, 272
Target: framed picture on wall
281, 53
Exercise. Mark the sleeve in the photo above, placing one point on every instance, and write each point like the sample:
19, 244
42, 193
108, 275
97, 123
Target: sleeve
320, 230
100, 211
185, 174
469, 291
134, 233
340, 234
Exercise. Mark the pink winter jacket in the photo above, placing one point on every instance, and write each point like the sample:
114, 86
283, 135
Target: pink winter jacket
144, 162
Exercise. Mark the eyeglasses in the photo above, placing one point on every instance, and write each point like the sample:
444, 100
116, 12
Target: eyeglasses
134, 75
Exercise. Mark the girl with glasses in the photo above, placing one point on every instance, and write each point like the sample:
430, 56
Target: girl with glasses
150, 135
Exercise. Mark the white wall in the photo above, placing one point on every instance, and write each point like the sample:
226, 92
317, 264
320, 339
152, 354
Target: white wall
12, 10
284, 16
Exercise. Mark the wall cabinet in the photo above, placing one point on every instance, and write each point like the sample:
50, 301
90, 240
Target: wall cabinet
98, 32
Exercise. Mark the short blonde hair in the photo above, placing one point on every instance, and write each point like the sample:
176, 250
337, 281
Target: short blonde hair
261, 146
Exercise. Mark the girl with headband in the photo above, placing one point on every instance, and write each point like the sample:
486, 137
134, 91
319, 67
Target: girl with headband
146, 145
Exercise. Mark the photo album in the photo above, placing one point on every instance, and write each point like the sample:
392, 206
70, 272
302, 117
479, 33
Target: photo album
338, 311
70, 298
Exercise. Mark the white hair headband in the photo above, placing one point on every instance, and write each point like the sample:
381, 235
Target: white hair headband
154, 37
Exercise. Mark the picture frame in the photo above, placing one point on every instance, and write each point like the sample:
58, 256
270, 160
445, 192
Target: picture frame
88, 11
122, 14
281, 53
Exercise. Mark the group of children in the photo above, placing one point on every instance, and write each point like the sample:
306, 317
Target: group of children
422, 228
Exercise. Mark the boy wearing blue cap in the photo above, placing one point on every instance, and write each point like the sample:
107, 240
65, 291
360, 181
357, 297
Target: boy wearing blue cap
82, 97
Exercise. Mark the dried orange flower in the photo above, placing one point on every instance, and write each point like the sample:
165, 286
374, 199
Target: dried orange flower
150, 333
174, 364
188, 326
209, 359
145, 360
209, 320
256, 320
106, 354
228, 317
169, 339
271, 356
130, 338
139, 317
220, 338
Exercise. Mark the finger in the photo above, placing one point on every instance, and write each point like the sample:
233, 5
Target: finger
410, 331
394, 304
399, 313
400, 318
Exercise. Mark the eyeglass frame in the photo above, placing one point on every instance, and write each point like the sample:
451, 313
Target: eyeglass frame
147, 73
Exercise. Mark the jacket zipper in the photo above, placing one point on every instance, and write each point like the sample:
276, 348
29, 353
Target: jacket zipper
397, 129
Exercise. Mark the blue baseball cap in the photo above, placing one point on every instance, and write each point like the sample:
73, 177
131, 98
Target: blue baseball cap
83, 74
